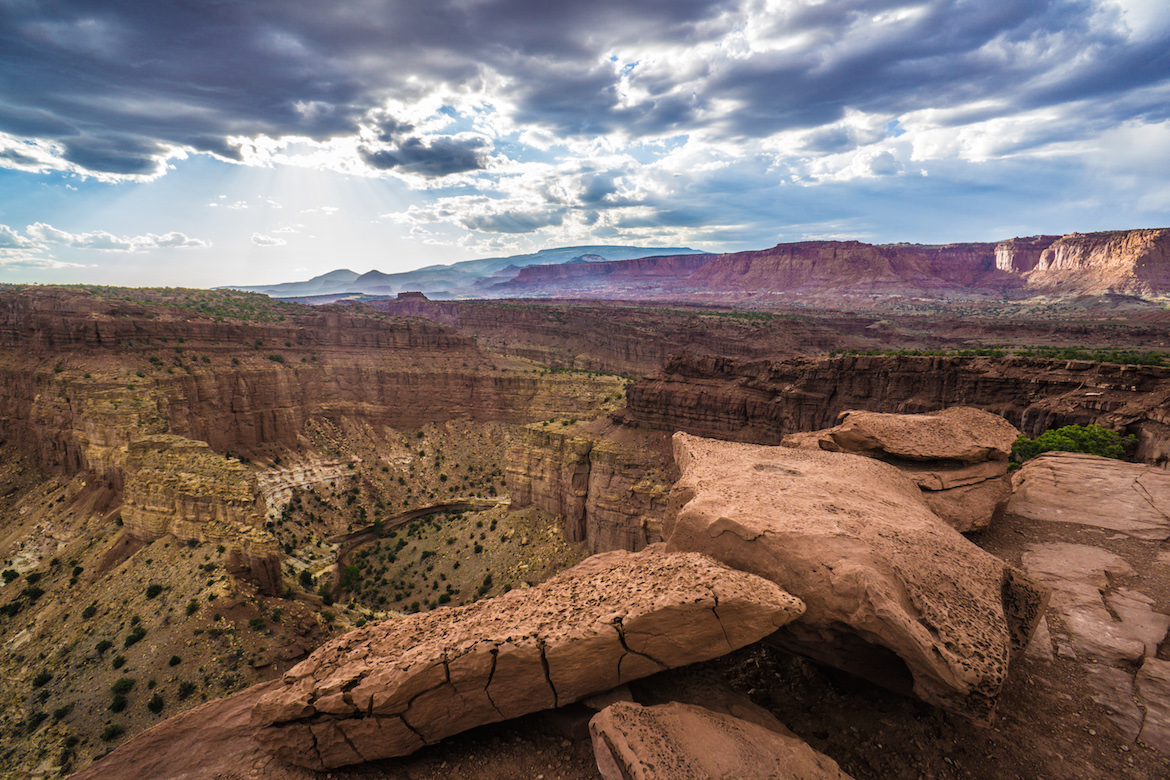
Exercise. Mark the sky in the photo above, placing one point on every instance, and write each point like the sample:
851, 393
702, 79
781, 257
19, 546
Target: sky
219, 142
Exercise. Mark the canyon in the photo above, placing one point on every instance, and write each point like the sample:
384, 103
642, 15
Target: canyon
186, 467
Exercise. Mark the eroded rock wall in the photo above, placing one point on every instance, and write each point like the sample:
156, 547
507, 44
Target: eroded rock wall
761, 402
1124, 261
608, 493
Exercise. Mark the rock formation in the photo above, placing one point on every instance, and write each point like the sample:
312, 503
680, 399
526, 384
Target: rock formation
1072, 487
390, 688
763, 401
876, 568
610, 492
674, 741
958, 457
1123, 261
180, 487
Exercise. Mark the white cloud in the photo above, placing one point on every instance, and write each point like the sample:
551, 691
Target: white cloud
259, 239
104, 241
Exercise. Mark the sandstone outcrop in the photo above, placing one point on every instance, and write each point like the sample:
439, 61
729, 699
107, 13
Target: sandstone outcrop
674, 741
1073, 487
876, 568
388, 689
763, 401
1122, 261
958, 457
180, 487
609, 492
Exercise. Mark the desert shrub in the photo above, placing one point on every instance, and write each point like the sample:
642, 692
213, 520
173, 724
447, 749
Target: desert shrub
175, 661
122, 685
119, 703
118, 662
153, 590
135, 636
43, 676
103, 646
326, 594
306, 579
9, 575
89, 611
186, 688
350, 576
155, 704
61, 712
257, 624
192, 607
112, 731
1092, 439
35, 719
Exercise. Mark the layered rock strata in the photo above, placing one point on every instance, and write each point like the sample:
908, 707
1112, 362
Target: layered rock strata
876, 568
610, 494
390, 688
763, 401
1122, 261
676, 741
180, 487
958, 457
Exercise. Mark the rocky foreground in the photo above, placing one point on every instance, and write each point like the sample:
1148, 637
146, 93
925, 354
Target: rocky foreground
833, 554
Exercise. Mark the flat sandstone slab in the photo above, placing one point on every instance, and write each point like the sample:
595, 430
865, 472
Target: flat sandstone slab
389, 689
853, 539
685, 742
1072, 487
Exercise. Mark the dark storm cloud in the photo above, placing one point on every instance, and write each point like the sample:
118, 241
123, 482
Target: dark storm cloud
440, 157
115, 84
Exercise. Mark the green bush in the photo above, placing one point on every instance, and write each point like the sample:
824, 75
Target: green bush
123, 685
153, 590
155, 704
89, 611
112, 731
103, 646
135, 636
42, 677
1092, 439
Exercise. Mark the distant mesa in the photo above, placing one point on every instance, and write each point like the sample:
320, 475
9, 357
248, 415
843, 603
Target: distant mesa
1120, 263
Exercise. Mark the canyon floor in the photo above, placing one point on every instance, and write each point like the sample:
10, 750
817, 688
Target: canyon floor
111, 625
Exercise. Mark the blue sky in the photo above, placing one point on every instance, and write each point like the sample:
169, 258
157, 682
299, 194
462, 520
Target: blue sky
210, 143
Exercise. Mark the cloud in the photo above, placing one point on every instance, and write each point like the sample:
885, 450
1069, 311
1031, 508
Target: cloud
107, 242
259, 239
582, 119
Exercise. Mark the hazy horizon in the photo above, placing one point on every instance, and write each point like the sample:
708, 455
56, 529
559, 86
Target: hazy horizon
253, 143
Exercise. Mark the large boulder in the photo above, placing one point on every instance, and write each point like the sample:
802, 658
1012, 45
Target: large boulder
958, 457
875, 567
1072, 487
682, 741
388, 689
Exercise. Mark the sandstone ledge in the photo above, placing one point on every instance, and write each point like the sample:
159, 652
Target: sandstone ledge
388, 689
875, 567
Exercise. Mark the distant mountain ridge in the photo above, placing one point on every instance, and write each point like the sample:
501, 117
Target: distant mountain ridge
464, 279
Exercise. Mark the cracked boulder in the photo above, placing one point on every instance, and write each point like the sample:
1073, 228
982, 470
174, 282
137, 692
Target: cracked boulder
675, 741
893, 594
1072, 487
390, 688
958, 457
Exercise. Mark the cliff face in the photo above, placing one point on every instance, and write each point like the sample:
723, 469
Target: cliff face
761, 402
1020, 255
1129, 261
607, 491
858, 267
81, 378
624, 340
180, 487
1134, 261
